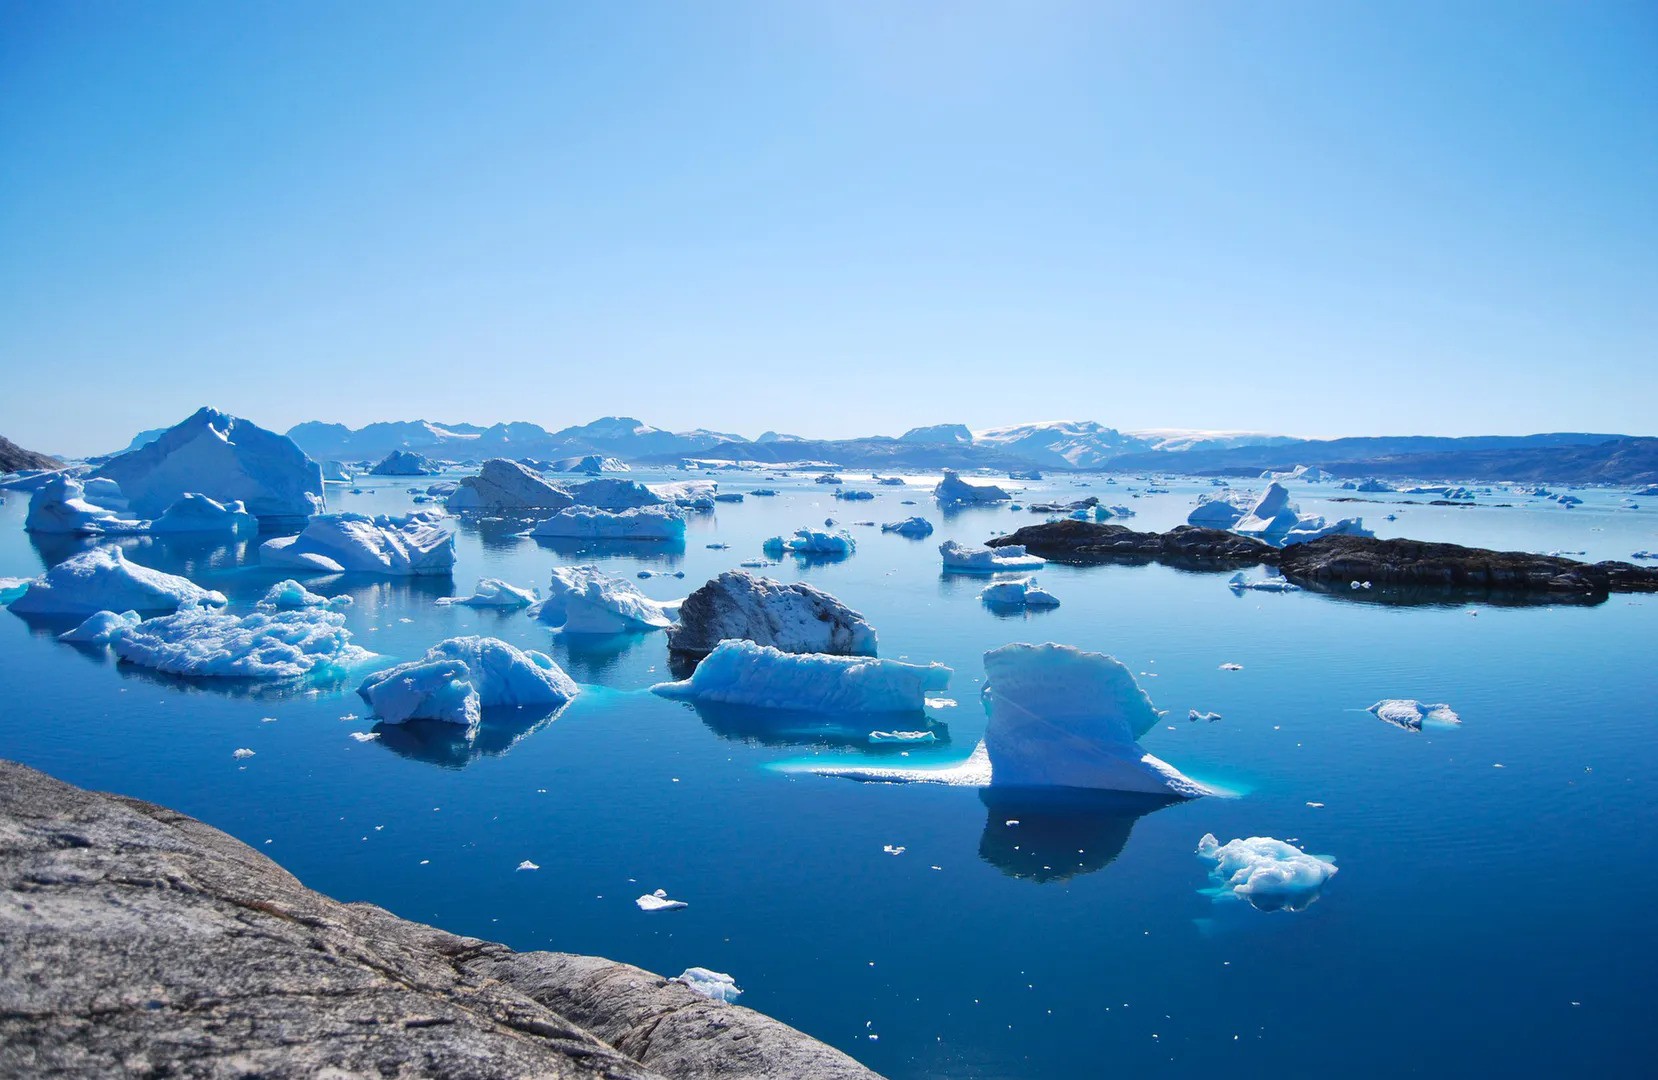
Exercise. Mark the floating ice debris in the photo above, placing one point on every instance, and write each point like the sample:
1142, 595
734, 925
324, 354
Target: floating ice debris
102, 579
586, 600
714, 985
290, 595
743, 673
915, 527
1271, 874
263, 645
953, 490
365, 736
406, 546
1240, 581
1209, 716
1411, 714
244, 752
960, 558
507, 485
807, 541
878, 737
1358, 584
459, 677
1021, 593
1231, 667
658, 901
528, 865
658, 523
492, 593
894, 849
1316, 805
794, 617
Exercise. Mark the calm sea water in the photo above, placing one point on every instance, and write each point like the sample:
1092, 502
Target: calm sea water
1491, 914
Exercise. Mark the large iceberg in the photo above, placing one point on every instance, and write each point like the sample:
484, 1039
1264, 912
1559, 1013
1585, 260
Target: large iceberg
610, 493
263, 645
60, 506
103, 580
586, 600
809, 541
1061, 717
225, 458
954, 491
406, 546
793, 617
963, 559
1269, 873
460, 677
642, 523
743, 673
335, 472
507, 485
1221, 509
1276, 520
404, 463
913, 527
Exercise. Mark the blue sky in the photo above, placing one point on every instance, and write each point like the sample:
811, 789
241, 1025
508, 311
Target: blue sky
830, 218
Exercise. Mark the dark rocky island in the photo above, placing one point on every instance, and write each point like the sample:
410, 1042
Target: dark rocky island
1339, 560
136, 941
13, 457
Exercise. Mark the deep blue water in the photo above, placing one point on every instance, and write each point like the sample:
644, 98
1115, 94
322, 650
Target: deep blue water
1491, 914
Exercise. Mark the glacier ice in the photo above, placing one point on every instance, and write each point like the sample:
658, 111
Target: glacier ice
507, 485
586, 600
794, 617
963, 559
1062, 717
854, 495
953, 490
491, 593
1271, 874
1411, 714
458, 678
290, 595
13, 587
102, 579
264, 645
405, 546
659, 523
225, 458
913, 527
1021, 592
809, 541
743, 673
101, 628
335, 472
715, 985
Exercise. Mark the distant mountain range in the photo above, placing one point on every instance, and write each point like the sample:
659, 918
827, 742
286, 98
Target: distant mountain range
1562, 457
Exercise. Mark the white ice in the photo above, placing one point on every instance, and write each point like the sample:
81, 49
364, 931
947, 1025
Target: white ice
101, 628
880, 737
715, 985
743, 673
914, 527
983, 560
1411, 714
610, 493
660, 523
1241, 580
263, 645
458, 678
1021, 592
102, 579
1221, 509
809, 541
492, 593
60, 506
586, 600
196, 513
406, 546
954, 491
658, 901
1269, 873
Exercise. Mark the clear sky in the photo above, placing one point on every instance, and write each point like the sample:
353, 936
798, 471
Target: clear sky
830, 218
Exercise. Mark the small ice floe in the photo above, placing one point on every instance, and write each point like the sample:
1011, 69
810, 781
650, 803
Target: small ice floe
1411, 714
878, 737
954, 491
963, 559
101, 579
914, 527
528, 865
715, 985
365, 736
101, 628
1209, 716
1649, 555
1019, 593
1240, 581
492, 593
586, 600
658, 901
244, 752
290, 595
1316, 805
1231, 667
1273, 875
894, 849
716, 547
660, 523
1358, 584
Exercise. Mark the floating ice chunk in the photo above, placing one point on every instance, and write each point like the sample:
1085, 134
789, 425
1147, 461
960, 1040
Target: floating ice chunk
611, 493
1231, 667
404, 463
365, 736
743, 673
952, 490
1022, 592
793, 617
916, 527
881, 737
406, 546
289, 595
195, 513
1271, 874
659, 523
962, 559
808, 541
658, 901
1061, 717
506, 485
975, 771
335, 472
894, 849
1221, 509
103, 580
492, 593
13, 587
1193, 714
729, 497
1271, 517
101, 628
528, 865
1272, 584
590, 465
890, 481
1411, 714
764, 493
59, 505
263, 645
586, 600
853, 495
710, 984
459, 677
1311, 528
104, 492
244, 752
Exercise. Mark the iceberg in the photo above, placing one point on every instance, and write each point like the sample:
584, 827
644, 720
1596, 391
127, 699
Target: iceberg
793, 617
102, 628
491, 593
954, 491
913, 527
1061, 717
60, 506
103, 580
195, 513
106, 493
586, 600
658, 901
878, 738
335, 472
263, 645
809, 541
290, 595
460, 677
406, 546
743, 673
1269, 873
1240, 580
1020, 593
225, 458
1276, 520
961, 559
612, 494
853, 494
714, 985
404, 463
1411, 714
1221, 509
1311, 528
660, 523
729, 497
13, 587
507, 485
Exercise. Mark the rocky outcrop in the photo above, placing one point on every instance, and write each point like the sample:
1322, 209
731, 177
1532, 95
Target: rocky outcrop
1087, 542
136, 941
13, 458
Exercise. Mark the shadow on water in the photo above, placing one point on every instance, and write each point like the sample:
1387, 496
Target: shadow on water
670, 554
261, 689
773, 727
445, 745
1061, 833
590, 657
498, 532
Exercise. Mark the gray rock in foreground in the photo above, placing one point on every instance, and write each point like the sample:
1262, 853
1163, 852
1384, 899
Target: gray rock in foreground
138, 941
